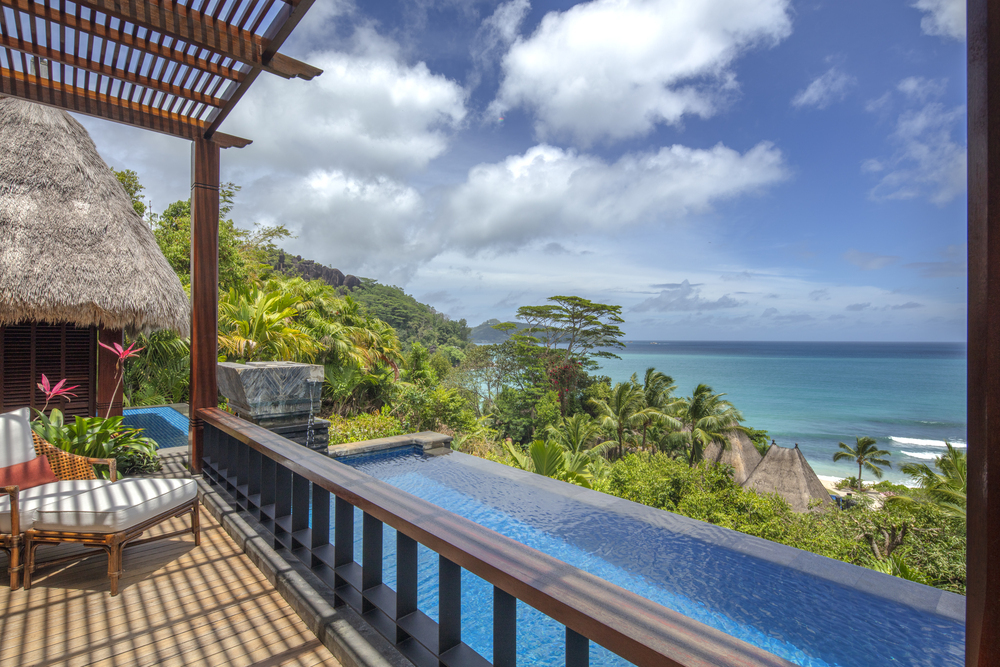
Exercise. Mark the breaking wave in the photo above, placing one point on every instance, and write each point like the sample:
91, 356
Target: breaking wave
924, 443
929, 456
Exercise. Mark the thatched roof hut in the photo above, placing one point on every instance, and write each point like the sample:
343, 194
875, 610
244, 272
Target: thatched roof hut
786, 472
72, 249
741, 455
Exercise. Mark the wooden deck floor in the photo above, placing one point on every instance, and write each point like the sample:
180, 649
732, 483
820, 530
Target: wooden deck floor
179, 605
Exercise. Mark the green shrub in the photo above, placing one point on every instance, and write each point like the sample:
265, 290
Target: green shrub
365, 426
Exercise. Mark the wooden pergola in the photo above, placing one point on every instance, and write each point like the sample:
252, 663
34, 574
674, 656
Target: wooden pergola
166, 66
180, 69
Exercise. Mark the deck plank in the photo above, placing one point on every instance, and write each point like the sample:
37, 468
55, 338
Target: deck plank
179, 605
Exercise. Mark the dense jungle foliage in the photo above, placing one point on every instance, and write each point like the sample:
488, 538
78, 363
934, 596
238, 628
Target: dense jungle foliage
533, 399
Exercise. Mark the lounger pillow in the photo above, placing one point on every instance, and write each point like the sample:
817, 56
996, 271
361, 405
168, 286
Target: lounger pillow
29, 474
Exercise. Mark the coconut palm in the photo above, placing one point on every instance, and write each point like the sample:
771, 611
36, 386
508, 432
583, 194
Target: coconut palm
705, 417
657, 391
624, 411
946, 489
867, 455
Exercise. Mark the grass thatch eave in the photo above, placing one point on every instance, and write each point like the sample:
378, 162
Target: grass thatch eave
72, 248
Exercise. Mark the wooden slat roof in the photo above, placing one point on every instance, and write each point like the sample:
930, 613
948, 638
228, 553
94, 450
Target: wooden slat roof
177, 67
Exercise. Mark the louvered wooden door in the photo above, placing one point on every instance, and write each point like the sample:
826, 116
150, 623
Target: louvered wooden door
57, 350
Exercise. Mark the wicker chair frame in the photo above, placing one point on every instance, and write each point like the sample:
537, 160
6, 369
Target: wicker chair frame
66, 466
112, 543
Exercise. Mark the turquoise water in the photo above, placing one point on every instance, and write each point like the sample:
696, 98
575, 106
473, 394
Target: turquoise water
909, 396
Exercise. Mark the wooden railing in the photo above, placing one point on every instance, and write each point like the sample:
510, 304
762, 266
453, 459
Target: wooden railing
276, 481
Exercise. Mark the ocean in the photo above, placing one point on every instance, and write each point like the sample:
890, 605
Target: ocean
910, 397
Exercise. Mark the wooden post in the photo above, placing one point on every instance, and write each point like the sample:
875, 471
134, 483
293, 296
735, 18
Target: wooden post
204, 289
107, 374
982, 625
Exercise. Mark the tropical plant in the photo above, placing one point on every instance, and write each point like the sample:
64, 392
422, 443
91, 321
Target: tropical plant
550, 459
54, 391
866, 454
896, 566
657, 391
946, 489
255, 324
122, 354
705, 418
578, 433
96, 437
622, 413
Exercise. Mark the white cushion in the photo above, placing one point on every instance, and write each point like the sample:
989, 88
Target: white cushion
16, 445
114, 507
31, 499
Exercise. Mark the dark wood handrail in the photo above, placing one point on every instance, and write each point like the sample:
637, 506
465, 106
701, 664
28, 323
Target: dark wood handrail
637, 629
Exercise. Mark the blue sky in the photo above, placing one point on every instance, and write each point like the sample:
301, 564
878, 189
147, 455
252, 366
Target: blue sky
722, 169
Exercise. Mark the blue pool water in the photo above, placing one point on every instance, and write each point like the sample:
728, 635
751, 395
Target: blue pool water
807, 620
166, 426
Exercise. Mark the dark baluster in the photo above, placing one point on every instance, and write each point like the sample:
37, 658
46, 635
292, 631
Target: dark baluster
300, 510
343, 542
254, 482
371, 557
320, 522
232, 453
577, 649
449, 605
406, 580
504, 629
282, 506
210, 451
268, 470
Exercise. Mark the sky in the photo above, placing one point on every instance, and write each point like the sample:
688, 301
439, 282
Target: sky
720, 169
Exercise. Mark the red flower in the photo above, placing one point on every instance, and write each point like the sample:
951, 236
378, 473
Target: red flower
58, 390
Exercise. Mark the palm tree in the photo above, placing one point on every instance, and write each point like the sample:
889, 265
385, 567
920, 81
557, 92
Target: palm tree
705, 418
549, 458
946, 489
866, 454
657, 391
622, 413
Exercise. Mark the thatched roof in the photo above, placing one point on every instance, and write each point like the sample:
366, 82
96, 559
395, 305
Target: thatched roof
741, 455
786, 472
72, 249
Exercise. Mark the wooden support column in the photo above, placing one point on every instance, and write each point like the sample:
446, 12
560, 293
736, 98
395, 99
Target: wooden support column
982, 633
204, 289
107, 374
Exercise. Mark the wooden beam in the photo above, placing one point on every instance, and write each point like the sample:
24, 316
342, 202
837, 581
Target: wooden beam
202, 30
290, 68
177, 21
90, 103
91, 26
279, 31
982, 616
110, 71
205, 160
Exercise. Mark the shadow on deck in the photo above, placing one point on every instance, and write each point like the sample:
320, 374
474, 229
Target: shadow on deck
179, 605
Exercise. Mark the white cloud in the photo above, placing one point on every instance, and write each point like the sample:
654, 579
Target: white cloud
548, 191
868, 261
945, 18
919, 89
368, 113
359, 225
612, 69
928, 161
496, 33
822, 92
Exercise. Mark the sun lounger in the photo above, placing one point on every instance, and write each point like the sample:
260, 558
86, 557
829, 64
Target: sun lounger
78, 507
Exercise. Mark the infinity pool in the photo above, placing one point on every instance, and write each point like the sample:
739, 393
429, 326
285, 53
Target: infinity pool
699, 570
